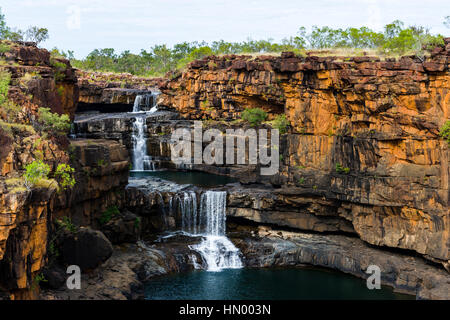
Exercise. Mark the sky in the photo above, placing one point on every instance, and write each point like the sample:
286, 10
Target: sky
84, 25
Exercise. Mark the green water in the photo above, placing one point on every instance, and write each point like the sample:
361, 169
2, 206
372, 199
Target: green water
197, 178
265, 284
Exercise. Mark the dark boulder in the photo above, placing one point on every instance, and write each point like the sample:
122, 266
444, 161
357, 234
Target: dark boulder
55, 278
86, 248
123, 228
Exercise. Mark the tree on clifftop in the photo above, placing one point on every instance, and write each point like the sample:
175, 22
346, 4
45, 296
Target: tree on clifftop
34, 34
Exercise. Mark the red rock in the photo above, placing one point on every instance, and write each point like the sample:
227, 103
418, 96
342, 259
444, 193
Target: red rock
288, 54
433, 67
239, 65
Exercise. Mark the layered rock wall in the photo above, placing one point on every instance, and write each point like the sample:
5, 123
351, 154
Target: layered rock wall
102, 169
40, 80
377, 119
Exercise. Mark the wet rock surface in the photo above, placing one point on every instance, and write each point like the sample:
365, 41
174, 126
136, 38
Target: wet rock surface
363, 142
122, 276
155, 200
265, 247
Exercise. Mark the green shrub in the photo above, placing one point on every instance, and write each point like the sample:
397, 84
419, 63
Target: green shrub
341, 169
66, 224
109, 214
34, 172
4, 48
60, 91
64, 174
445, 131
10, 110
281, 123
137, 223
254, 116
5, 78
38, 278
60, 68
52, 122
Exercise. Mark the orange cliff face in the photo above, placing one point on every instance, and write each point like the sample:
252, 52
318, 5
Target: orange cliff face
379, 118
38, 81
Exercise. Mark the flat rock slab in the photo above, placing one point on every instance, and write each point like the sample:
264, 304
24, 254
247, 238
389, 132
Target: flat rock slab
407, 274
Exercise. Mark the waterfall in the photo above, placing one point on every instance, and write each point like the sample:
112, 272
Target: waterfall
141, 160
189, 212
147, 101
217, 251
72, 134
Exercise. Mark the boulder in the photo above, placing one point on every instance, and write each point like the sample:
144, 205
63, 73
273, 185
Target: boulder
86, 248
55, 278
124, 228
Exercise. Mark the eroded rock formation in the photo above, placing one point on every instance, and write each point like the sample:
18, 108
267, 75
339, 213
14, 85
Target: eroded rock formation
269, 248
109, 92
378, 118
27, 215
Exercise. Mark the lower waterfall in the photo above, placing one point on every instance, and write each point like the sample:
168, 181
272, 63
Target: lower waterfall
217, 251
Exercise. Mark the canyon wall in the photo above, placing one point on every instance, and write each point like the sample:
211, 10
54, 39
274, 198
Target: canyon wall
110, 92
27, 216
378, 119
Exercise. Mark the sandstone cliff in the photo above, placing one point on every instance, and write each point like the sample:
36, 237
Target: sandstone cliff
378, 118
40, 80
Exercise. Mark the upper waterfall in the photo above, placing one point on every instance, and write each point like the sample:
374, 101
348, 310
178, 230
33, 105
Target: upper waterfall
141, 160
146, 102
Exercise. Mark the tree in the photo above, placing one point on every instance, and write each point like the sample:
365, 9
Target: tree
6, 33
447, 21
36, 34
3, 28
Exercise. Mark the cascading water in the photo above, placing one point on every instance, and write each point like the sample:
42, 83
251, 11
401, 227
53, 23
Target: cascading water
147, 101
189, 213
217, 251
141, 161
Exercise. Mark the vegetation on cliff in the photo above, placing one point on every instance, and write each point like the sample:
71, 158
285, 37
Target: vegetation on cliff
254, 116
33, 33
52, 122
35, 172
395, 39
445, 131
281, 123
27, 127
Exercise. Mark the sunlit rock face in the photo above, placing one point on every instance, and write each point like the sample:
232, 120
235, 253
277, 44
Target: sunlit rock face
53, 83
27, 216
380, 118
